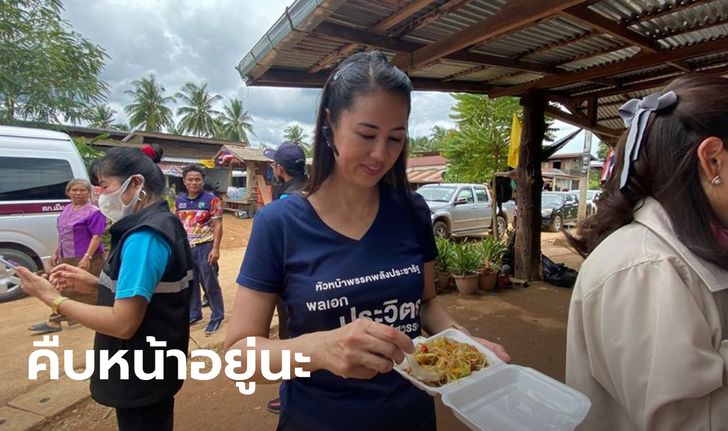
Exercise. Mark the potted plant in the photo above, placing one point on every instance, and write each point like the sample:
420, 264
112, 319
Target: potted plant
490, 251
443, 263
465, 264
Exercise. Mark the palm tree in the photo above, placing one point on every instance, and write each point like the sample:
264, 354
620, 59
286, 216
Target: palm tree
149, 111
295, 135
101, 117
234, 123
198, 116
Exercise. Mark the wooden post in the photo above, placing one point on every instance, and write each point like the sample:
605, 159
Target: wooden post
530, 183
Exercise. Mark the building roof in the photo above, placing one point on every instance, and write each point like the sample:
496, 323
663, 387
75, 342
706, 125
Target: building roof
436, 160
590, 55
551, 172
425, 176
241, 153
569, 156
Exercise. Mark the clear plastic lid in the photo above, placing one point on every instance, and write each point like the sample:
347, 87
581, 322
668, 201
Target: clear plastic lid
504, 397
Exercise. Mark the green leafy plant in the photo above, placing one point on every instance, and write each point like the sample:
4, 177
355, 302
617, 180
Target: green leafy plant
443, 261
86, 149
465, 259
490, 252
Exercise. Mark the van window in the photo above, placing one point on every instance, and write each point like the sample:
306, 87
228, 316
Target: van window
24, 178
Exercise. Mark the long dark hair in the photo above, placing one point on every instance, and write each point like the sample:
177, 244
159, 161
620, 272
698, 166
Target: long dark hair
123, 162
359, 74
668, 171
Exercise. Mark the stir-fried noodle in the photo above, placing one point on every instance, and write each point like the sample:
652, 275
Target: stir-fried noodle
451, 359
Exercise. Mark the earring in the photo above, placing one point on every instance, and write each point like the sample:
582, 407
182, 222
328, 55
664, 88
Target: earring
328, 135
717, 181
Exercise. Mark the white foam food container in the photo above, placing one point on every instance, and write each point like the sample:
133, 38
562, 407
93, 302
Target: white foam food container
503, 397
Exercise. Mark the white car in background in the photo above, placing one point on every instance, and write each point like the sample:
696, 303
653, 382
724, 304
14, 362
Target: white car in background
592, 196
35, 165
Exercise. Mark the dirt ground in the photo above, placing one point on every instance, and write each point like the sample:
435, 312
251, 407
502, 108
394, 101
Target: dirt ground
530, 322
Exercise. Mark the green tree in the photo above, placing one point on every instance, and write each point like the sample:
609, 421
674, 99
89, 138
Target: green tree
234, 124
48, 71
477, 147
420, 144
438, 136
87, 150
197, 114
603, 151
149, 111
295, 135
101, 117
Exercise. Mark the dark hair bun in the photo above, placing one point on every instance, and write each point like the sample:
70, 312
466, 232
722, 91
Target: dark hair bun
154, 152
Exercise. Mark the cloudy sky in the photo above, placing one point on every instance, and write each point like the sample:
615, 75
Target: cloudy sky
203, 40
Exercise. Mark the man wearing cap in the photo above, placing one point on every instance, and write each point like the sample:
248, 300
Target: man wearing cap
289, 169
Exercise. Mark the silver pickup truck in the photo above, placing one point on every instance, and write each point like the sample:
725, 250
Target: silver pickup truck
461, 209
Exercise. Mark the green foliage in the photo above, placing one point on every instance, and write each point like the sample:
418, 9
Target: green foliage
295, 135
478, 147
421, 144
491, 251
101, 117
465, 259
595, 179
48, 72
234, 123
198, 118
86, 149
149, 110
444, 254
603, 150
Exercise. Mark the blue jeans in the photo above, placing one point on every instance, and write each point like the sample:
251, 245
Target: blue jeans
207, 275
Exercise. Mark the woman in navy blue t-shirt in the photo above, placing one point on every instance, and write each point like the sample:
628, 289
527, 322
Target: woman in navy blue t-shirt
352, 257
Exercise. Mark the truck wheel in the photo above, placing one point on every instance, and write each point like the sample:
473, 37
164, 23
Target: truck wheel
439, 228
502, 225
557, 224
9, 285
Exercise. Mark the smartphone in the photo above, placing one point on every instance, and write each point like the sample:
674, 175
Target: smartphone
7, 263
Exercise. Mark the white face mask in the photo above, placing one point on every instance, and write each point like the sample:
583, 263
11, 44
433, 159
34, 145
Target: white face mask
113, 207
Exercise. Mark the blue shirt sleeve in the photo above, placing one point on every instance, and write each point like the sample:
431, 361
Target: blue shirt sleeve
144, 257
262, 268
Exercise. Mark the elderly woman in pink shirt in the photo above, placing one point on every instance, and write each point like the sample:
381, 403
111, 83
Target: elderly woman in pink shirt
80, 226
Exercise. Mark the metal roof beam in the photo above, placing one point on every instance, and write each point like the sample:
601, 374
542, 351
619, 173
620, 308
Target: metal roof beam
594, 20
380, 28
579, 122
354, 35
302, 79
513, 16
430, 17
401, 15
634, 63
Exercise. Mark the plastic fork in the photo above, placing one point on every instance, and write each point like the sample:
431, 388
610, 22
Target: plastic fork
420, 373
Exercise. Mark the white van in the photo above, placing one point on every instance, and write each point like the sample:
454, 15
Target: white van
35, 165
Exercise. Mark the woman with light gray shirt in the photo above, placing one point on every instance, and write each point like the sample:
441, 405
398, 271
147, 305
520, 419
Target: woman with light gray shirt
649, 314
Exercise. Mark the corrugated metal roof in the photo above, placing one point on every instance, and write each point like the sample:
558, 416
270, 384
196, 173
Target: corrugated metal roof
241, 153
557, 42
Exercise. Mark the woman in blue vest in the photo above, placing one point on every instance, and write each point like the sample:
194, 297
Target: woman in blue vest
143, 291
352, 258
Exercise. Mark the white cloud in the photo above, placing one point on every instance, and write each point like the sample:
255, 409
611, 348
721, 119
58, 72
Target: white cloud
192, 40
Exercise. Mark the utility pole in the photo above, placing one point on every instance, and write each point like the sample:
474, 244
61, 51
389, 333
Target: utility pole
584, 181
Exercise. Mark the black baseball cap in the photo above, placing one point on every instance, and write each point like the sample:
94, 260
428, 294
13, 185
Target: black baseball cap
290, 156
